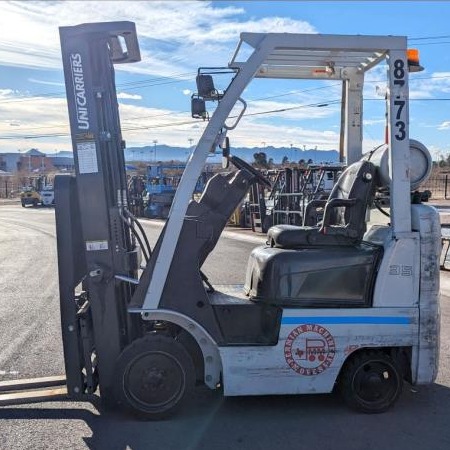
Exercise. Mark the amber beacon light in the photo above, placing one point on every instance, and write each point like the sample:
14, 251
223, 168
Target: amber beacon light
412, 55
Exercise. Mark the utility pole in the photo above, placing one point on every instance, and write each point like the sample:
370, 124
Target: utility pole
155, 141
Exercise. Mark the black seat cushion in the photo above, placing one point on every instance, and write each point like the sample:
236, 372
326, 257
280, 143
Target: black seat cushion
291, 236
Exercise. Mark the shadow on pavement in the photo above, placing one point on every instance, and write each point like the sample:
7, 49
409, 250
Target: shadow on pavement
420, 420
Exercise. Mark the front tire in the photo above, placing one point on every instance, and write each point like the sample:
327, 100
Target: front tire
153, 377
371, 382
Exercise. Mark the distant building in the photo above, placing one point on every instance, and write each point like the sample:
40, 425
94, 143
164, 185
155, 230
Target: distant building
35, 161
63, 163
9, 162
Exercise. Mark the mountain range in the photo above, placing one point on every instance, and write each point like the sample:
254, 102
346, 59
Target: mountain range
168, 153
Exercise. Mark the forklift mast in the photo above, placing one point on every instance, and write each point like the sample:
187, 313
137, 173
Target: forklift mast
95, 247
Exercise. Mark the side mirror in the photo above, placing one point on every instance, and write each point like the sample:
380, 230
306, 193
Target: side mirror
198, 108
205, 86
225, 146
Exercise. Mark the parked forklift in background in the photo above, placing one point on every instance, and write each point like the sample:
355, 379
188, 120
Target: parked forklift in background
38, 191
343, 302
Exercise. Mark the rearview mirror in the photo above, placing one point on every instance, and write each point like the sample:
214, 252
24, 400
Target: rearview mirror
205, 86
198, 108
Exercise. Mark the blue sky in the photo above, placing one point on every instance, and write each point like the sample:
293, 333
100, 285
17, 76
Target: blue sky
176, 37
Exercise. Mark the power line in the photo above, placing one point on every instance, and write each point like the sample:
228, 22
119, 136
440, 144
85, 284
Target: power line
148, 127
435, 43
156, 126
423, 38
132, 85
159, 81
290, 93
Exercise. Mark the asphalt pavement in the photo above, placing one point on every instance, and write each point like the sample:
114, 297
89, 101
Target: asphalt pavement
30, 345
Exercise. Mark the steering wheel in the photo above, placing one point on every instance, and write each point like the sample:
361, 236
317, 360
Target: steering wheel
242, 165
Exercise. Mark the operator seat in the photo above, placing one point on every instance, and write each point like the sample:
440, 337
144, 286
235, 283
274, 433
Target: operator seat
344, 213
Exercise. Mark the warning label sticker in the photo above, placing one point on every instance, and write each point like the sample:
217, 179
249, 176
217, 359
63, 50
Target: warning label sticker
87, 157
96, 245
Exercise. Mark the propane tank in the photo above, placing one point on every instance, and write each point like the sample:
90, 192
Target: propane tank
420, 164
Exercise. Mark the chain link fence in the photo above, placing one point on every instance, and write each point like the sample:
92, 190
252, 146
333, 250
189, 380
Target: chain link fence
9, 187
438, 185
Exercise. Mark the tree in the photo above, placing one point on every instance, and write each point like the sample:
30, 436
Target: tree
260, 160
310, 161
285, 160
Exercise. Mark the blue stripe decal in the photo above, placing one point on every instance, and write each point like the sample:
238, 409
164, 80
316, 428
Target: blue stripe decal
378, 320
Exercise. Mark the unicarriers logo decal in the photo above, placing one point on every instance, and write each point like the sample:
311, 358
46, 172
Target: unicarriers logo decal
79, 91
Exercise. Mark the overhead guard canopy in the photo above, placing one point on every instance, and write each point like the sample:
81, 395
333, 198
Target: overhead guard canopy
322, 56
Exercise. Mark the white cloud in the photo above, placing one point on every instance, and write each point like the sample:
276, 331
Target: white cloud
126, 96
175, 37
187, 92
251, 133
421, 85
373, 121
141, 125
48, 83
444, 125
7, 93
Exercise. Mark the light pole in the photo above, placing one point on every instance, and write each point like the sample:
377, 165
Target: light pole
155, 141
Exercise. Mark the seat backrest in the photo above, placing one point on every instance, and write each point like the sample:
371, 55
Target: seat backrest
356, 182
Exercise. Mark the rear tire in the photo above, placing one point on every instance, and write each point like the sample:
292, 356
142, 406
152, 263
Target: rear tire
371, 382
153, 377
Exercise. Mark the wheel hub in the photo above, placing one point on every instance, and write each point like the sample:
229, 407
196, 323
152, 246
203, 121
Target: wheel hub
374, 382
154, 380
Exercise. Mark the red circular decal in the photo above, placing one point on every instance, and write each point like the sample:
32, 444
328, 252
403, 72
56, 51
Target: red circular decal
309, 349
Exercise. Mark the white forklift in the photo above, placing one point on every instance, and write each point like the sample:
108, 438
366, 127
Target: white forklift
339, 303
329, 304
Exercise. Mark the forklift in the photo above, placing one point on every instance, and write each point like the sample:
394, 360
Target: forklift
343, 303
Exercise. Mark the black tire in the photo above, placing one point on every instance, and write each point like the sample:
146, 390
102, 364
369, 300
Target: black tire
371, 382
35, 203
23, 204
154, 375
